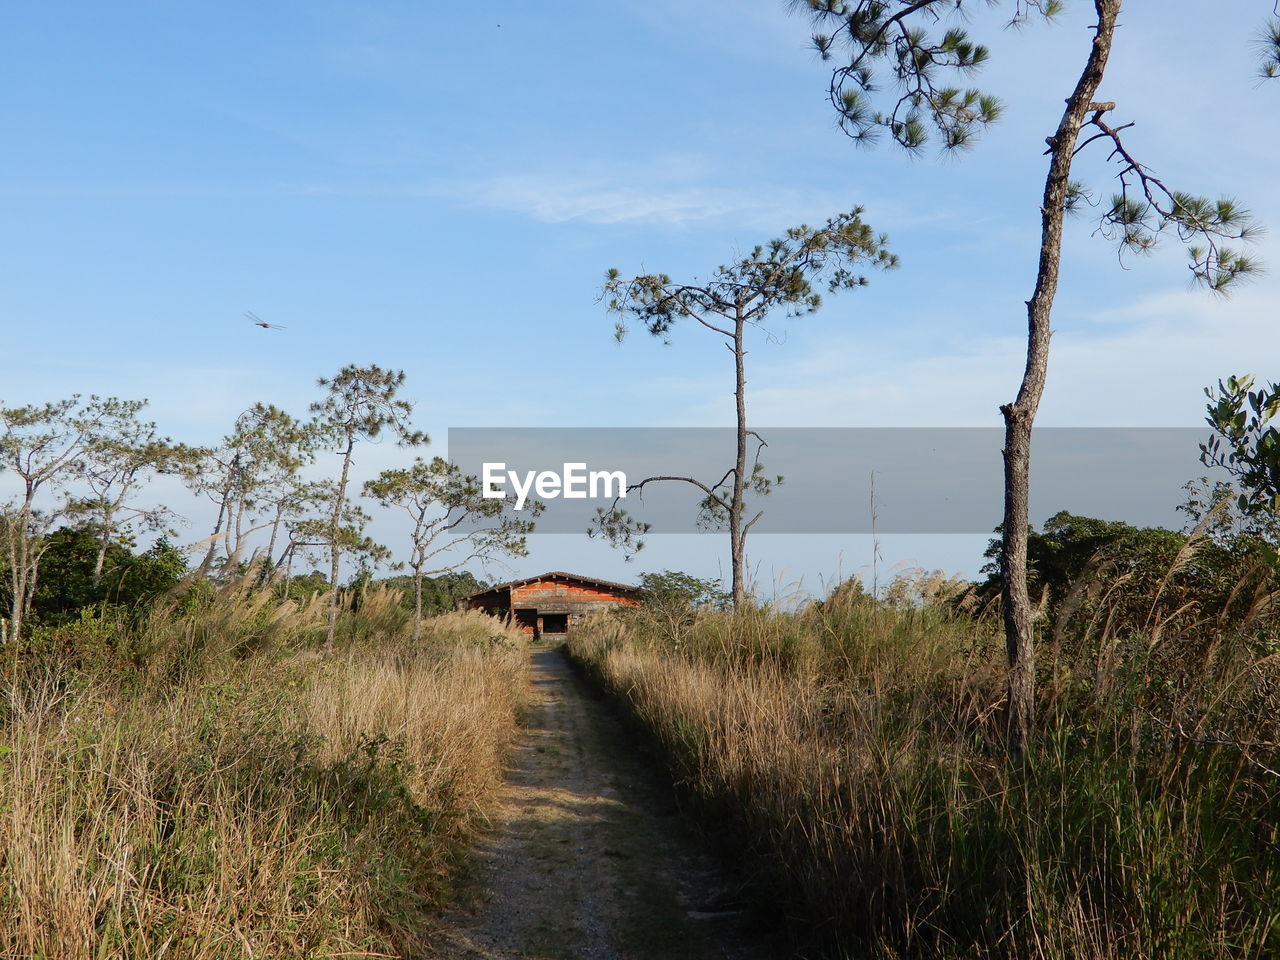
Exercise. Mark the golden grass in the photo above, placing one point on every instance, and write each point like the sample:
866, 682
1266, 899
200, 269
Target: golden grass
850, 754
270, 805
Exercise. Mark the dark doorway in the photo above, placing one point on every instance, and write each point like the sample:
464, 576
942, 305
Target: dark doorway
527, 620
555, 623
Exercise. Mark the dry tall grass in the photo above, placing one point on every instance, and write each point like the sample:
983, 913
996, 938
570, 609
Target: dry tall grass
219, 794
851, 752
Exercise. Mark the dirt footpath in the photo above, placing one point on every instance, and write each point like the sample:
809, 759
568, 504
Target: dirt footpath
590, 860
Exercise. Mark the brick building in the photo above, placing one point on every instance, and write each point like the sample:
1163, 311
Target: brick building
550, 603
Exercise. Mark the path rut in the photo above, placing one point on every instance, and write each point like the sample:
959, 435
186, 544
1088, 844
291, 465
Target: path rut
591, 860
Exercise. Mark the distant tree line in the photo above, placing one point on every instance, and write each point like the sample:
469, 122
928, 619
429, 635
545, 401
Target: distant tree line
77, 472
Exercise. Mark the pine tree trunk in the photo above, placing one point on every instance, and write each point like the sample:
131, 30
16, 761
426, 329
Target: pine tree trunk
286, 559
99, 562
1019, 416
417, 602
18, 588
275, 535
224, 501
335, 551
20, 570
101, 559
737, 542
207, 561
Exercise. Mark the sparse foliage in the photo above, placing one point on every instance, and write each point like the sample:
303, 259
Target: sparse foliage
897, 57
901, 40
361, 404
316, 532
252, 478
787, 274
1269, 50
453, 524
119, 460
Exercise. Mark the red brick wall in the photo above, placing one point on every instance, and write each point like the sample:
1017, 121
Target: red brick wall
531, 594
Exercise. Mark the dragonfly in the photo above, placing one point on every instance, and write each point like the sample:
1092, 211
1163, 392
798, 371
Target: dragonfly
257, 321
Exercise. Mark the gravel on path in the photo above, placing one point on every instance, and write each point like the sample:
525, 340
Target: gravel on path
591, 859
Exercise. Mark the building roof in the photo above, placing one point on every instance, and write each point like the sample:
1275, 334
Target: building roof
556, 575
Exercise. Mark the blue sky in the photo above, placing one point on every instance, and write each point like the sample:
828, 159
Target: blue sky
439, 187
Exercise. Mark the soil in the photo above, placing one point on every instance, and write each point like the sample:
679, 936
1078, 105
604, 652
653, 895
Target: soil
590, 858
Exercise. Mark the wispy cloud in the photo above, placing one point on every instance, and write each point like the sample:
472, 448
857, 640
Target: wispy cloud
627, 199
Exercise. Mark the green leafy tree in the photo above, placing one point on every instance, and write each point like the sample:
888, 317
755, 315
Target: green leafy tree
1215, 503
66, 584
893, 61
443, 592
453, 524
1246, 442
361, 404
303, 586
678, 587
73, 577
155, 571
439, 593
1107, 589
671, 601
1072, 550
739, 297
